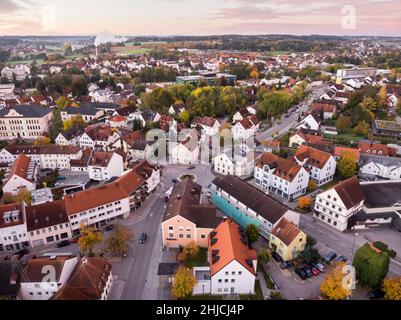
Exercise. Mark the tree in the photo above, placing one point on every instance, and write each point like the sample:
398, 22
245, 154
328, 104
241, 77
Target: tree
188, 252
370, 104
382, 96
22, 195
362, 128
183, 283
117, 243
312, 186
254, 74
137, 125
392, 288
332, 286
252, 232
184, 116
305, 203
41, 141
264, 255
371, 265
343, 123
309, 254
89, 238
76, 121
62, 102
346, 166
56, 125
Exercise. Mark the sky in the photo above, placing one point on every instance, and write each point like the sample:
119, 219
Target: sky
200, 17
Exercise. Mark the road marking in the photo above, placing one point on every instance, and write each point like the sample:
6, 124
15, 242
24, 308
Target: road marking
393, 271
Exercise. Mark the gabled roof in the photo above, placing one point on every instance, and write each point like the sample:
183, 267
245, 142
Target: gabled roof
185, 202
350, 192
17, 207
227, 244
88, 280
27, 111
263, 204
284, 168
46, 215
34, 267
315, 158
286, 231
20, 167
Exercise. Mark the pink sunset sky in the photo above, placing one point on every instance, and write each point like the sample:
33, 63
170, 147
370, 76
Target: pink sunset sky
190, 17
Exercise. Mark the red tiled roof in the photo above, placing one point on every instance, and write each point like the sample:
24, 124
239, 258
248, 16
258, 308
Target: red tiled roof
285, 169
229, 247
316, 158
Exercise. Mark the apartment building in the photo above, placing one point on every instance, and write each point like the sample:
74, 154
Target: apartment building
186, 219
321, 165
21, 176
13, 231
281, 176
337, 205
45, 157
246, 204
24, 122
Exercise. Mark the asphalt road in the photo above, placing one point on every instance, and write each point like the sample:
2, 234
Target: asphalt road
292, 120
330, 239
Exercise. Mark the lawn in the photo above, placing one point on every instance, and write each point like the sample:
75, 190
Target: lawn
130, 50
14, 63
330, 184
258, 293
198, 261
348, 138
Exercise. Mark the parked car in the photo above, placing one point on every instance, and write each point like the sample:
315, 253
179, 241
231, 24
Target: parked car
301, 273
286, 265
61, 178
308, 272
320, 266
143, 238
330, 256
340, 259
376, 294
75, 239
63, 243
191, 167
277, 257
314, 270
109, 227
21, 253
175, 181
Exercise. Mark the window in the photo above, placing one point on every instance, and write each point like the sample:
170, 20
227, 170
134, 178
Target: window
239, 273
226, 273
220, 281
203, 236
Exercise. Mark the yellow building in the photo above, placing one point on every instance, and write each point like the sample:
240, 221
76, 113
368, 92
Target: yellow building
287, 240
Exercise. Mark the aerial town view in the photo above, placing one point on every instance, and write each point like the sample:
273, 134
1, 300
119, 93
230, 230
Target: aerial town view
166, 150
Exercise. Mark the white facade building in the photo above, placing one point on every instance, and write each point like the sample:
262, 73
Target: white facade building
337, 205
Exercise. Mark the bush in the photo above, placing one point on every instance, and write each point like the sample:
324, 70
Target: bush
381, 246
392, 254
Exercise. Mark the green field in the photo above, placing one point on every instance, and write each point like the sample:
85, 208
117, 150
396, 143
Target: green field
14, 63
128, 50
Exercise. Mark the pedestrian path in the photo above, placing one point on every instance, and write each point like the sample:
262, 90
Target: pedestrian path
265, 290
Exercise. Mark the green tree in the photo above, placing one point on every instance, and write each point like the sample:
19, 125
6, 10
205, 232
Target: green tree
264, 255
62, 102
346, 166
310, 255
252, 232
56, 125
137, 125
371, 265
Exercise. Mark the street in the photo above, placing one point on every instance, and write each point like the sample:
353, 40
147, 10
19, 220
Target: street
288, 123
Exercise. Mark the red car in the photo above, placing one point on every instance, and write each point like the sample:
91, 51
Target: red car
315, 271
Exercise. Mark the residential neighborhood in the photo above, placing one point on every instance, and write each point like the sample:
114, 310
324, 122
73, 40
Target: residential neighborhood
222, 167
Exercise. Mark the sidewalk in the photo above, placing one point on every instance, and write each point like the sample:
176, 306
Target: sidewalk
266, 291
